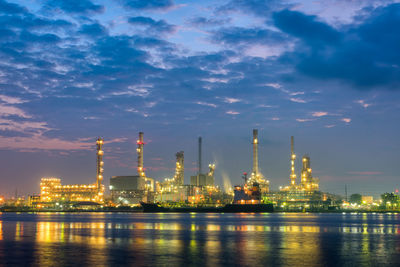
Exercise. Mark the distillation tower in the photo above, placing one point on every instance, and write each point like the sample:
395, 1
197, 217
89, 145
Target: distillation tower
308, 182
139, 150
292, 161
100, 169
179, 169
256, 175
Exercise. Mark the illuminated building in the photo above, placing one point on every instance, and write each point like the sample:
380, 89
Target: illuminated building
34, 201
204, 179
52, 191
367, 199
130, 190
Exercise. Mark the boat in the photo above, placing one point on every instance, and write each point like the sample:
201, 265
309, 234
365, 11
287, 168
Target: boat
228, 208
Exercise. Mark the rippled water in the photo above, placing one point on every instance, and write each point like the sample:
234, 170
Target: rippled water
171, 239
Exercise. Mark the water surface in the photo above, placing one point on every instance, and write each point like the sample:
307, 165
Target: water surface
205, 239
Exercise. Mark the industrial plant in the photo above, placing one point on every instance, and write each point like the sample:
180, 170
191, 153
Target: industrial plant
137, 189
53, 193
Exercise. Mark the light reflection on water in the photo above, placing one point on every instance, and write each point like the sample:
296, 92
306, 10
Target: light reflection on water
279, 239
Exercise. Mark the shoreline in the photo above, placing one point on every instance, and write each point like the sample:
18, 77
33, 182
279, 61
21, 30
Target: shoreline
140, 210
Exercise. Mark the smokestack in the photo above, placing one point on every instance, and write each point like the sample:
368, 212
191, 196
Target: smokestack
292, 160
100, 163
255, 152
199, 163
292, 145
139, 150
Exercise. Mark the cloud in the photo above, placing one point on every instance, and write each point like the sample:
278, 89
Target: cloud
274, 85
305, 27
362, 103
47, 38
346, 120
262, 8
206, 104
209, 22
11, 8
23, 127
231, 100
154, 26
232, 112
148, 4
11, 100
93, 30
6, 111
304, 120
297, 100
365, 53
234, 36
75, 6
319, 114
41, 142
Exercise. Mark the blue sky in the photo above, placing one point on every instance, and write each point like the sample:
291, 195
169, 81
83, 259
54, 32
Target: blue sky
326, 72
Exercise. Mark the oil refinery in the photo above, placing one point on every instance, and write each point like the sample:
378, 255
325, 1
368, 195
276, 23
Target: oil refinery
53, 193
131, 190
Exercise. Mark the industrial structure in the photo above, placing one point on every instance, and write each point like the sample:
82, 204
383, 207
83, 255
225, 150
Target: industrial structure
131, 190
301, 195
292, 165
308, 184
200, 190
173, 189
202, 179
254, 188
256, 175
53, 193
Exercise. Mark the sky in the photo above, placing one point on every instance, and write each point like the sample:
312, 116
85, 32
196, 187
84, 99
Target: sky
326, 72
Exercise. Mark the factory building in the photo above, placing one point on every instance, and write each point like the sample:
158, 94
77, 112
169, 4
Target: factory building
52, 191
202, 179
128, 190
131, 190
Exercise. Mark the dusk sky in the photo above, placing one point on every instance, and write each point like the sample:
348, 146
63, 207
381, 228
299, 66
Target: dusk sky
326, 72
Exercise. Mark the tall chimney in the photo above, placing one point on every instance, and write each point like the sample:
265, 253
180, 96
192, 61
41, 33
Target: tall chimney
199, 162
100, 163
292, 161
139, 150
255, 152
